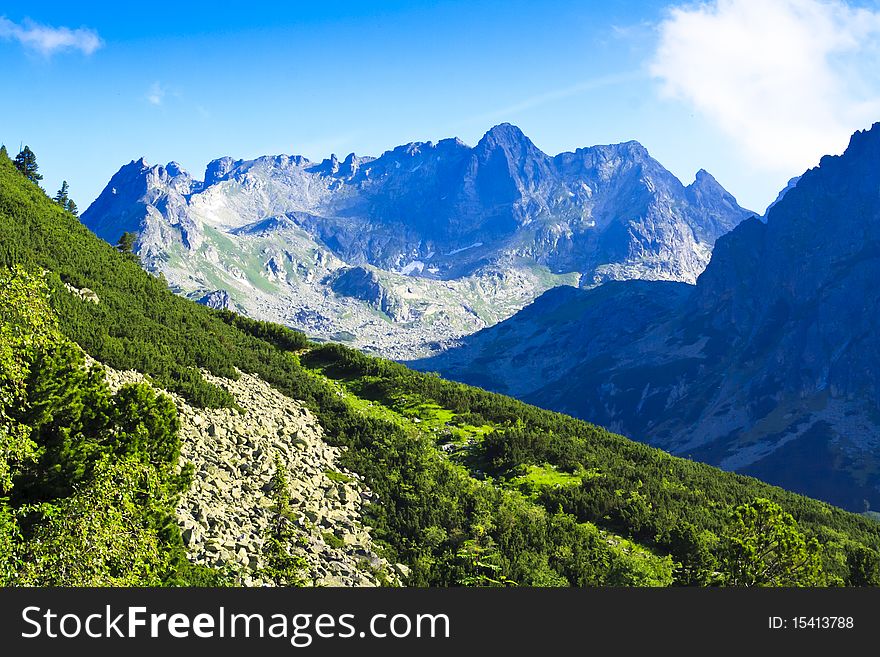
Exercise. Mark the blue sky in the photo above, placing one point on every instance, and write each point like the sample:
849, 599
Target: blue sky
754, 92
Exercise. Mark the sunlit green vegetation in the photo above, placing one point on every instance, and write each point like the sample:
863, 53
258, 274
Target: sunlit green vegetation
471, 488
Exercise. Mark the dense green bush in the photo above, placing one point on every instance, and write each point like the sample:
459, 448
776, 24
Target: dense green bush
672, 505
90, 479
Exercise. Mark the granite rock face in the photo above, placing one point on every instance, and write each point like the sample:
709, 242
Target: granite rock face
448, 238
218, 299
364, 284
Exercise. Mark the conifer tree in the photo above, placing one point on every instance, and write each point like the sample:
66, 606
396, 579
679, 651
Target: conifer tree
764, 547
26, 163
61, 197
3, 152
126, 243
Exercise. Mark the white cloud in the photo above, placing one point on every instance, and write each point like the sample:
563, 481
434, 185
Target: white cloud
156, 94
47, 40
788, 80
551, 97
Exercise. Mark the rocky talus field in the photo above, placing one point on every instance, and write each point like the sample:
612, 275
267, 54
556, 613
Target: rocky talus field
225, 514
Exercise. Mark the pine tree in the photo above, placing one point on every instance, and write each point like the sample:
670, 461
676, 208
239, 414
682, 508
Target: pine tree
3, 153
284, 563
61, 197
763, 546
26, 163
126, 242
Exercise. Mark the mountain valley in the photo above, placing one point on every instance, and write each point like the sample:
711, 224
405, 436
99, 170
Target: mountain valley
768, 366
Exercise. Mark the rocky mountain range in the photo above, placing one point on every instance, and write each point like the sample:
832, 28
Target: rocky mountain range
216, 450
428, 242
769, 366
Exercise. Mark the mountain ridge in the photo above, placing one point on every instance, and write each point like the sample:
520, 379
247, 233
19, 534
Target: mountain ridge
771, 359
465, 235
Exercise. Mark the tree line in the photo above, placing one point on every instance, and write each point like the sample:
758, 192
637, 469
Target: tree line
26, 164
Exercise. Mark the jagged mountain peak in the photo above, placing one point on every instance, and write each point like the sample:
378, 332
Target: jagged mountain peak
132, 174
174, 169
790, 185
505, 131
857, 162
631, 146
329, 166
507, 137
133, 169
609, 159
279, 161
218, 169
502, 219
705, 184
862, 141
409, 149
453, 142
853, 170
827, 221
703, 177
630, 149
139, 166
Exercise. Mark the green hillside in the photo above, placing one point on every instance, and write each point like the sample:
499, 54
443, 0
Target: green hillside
472, 488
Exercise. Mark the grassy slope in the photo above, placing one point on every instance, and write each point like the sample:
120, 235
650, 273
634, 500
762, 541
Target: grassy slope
692, 491
369, 408
416, 416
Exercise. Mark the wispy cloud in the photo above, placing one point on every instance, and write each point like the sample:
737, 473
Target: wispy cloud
48, 40
550, 97
156, 94
632, 30
788, 80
